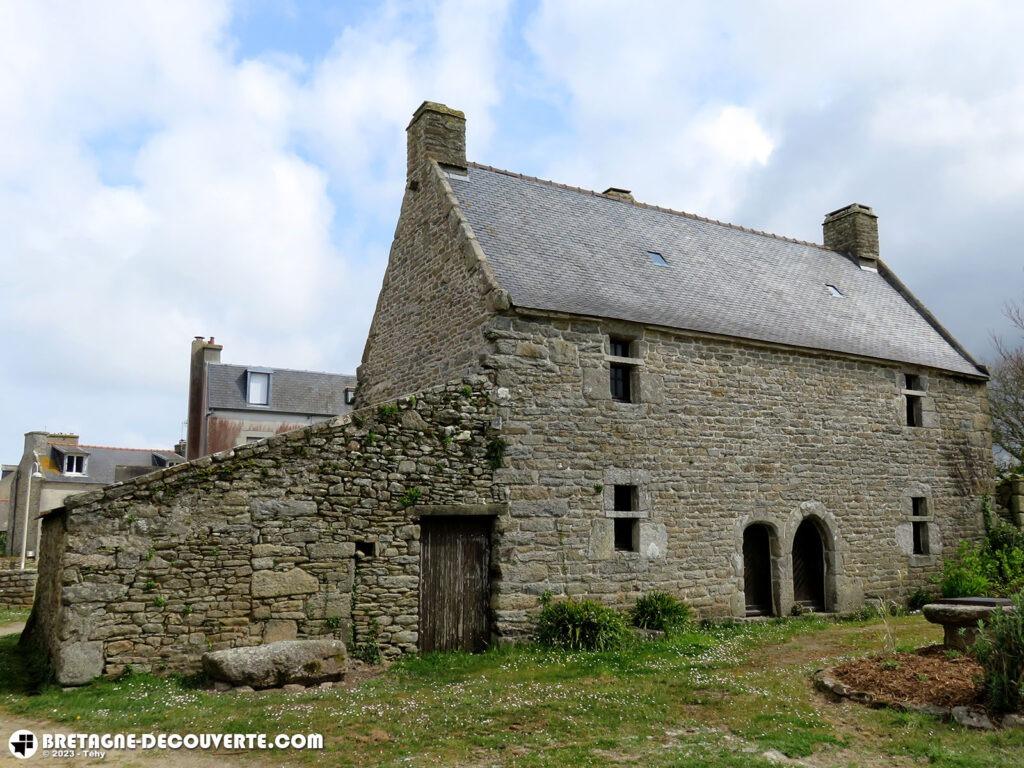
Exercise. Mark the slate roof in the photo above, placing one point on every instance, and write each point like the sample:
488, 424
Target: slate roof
571, 250
303, 392
102, 462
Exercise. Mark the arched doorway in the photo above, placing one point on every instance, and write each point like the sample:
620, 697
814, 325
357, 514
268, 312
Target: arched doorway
809, 567
757, 570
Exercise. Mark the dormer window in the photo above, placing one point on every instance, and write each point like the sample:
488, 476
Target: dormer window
74, 464
258, 388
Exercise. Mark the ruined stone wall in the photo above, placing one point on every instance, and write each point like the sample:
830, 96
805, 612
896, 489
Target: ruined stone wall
437, 294
260, 543
725, 434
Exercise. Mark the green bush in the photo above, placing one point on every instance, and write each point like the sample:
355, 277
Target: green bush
963, 575
1000, 651
659, 610
581, 625
919, 598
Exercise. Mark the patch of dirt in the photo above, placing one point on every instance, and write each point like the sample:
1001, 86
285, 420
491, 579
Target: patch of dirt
928, 676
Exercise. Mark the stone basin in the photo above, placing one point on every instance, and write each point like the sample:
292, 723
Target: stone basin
960, 616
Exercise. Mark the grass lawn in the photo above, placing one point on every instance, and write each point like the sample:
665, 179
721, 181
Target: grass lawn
11, 614
721, 697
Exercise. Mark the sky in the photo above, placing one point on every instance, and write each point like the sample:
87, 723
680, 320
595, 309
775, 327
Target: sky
235, 169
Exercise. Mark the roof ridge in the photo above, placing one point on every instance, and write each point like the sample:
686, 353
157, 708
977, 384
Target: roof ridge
650, 206
288, 370
118, 448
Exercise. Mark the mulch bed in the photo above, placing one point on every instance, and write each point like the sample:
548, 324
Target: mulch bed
927, 676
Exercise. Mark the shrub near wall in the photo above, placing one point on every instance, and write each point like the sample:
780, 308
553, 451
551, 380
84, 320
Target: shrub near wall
258, 543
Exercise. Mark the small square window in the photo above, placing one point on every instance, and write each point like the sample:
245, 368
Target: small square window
366, 548
258, 388
919, 506
627, 534
74, 465
912, 381
619, 347
657, 259
915, 415
625, 498
920, 537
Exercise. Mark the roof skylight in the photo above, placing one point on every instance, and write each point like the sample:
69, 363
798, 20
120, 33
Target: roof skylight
657, 259
835, 291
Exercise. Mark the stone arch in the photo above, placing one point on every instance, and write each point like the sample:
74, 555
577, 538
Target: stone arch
761, 574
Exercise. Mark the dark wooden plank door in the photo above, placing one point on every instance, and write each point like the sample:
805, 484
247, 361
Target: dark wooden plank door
455, 588
757, 571
809, 567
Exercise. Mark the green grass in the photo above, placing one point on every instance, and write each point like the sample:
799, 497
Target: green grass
11, 614
716, 697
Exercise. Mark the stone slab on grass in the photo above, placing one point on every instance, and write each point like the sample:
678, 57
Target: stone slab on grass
307, 662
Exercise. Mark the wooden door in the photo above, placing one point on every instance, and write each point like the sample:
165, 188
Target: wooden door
809, 567
455, 588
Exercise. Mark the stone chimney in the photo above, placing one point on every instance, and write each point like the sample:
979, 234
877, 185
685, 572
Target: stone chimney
853, 230
619, 194
437, 132
203, 352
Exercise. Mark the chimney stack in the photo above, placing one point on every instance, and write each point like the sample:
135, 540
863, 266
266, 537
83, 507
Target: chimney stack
203, 352
853, 230
619, 194
439, 132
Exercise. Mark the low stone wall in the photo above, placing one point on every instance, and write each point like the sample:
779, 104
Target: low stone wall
17, 587
310, 533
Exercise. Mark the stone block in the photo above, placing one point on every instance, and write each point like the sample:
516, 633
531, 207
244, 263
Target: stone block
79, 662
280, 629
282, 509
280, 583
307, 662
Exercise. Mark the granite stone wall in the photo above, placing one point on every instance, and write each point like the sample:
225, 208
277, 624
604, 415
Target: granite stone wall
17, 587
310, 533
724, 434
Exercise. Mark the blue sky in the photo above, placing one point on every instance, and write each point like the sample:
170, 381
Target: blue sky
235, 169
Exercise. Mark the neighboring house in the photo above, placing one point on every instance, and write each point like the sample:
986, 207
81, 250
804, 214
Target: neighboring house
562, 392
231, 405
55, 466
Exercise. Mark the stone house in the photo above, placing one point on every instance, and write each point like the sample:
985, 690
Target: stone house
55, 466
231, 405
561, 391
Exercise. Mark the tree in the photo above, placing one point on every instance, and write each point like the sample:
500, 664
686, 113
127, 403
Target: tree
1006, 389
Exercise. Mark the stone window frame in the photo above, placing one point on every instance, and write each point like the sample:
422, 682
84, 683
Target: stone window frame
636, 477
927, 412
634, 361
927, 520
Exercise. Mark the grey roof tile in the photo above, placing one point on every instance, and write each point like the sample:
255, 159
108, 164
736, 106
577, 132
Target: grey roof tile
568, 250
307, 392
102, 462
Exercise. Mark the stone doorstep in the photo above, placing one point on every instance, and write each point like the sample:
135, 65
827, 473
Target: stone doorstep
969, 717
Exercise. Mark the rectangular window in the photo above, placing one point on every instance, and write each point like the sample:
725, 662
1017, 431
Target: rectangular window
619, 347
74, 465
627, 534
626, 498
920, 537
912, 381
919, 506
914, 411
350, 396
259, 388
622, 389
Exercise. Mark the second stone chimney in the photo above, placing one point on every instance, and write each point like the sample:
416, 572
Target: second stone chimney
853, 230
203, 352
439, 132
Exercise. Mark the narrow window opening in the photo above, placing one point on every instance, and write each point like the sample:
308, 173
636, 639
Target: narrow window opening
919, 506
657, 259
627, 534
350, 396
366, 548
914, 411
920, 537
912, 381
622, 389
619, 347
626, 498
834, 291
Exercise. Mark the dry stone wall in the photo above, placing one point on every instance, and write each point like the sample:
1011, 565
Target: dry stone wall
724, 434
310, 533
17, 587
